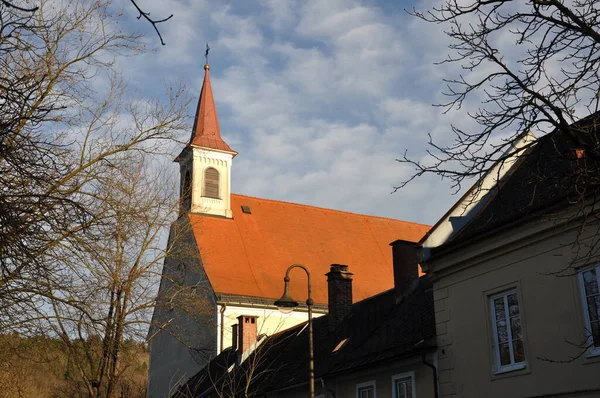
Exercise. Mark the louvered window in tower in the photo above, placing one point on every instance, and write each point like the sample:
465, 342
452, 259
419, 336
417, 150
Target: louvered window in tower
211, 183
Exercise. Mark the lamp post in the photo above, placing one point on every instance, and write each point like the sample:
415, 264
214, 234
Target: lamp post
286, 305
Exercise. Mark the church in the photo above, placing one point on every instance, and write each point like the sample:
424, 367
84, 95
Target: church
233, 252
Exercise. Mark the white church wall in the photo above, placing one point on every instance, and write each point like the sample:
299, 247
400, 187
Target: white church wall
221, 161
270, 320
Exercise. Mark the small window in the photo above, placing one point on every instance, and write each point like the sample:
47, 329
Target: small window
186, 192
589, 280
508, 333
403, 385
211, 183
366, 390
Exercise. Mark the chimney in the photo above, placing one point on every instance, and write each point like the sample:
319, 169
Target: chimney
339, 289
246, 332
406, 266
234, 337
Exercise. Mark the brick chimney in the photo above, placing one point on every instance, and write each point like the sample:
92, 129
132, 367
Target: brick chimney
406, 266
339, 289
246, 332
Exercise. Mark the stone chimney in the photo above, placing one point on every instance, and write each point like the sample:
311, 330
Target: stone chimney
406, 266
246, 332
339, 289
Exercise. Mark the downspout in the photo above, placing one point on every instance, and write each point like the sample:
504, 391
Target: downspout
435, 376
325, 388
222, 331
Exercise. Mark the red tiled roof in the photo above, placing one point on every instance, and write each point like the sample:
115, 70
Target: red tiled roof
206, 132
249, 254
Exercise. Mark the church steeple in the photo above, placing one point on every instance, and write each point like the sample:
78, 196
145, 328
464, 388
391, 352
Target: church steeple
205, 163
206, 132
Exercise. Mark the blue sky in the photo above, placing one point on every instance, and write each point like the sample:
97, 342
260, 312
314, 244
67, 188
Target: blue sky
318, 97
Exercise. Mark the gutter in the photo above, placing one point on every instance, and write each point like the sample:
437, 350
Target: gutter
326, 388
436, 393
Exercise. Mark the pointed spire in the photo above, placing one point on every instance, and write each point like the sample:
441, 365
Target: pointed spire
206, 132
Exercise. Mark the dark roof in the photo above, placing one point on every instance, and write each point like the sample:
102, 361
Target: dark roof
549, 175
377, 329
208, 376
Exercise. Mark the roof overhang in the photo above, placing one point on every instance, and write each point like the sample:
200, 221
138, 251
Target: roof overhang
467, 207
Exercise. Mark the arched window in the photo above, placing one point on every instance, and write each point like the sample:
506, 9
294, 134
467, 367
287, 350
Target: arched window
211, 183
186, 192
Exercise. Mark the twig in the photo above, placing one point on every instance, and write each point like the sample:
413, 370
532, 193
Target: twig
9, 4
154, 22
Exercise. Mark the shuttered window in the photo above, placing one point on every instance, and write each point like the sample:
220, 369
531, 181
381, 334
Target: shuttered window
211, 183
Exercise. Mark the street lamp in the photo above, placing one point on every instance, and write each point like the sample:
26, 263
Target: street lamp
286, 304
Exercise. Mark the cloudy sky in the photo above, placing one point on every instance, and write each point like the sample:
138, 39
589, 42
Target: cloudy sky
318, 97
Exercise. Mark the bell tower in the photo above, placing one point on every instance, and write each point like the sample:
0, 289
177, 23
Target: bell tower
205, 162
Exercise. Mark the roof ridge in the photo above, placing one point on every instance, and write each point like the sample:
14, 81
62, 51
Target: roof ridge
329, 209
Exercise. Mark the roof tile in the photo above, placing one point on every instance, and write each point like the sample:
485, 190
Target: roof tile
249, 254
206, 132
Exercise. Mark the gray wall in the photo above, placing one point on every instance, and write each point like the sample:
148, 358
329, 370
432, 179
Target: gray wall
183, 347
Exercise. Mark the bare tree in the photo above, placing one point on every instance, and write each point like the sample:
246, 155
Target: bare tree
537, 99
544, 80
65, 122
103, 290
142, 13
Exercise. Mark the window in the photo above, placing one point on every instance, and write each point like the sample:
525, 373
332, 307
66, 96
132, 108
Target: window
366, 390
508, 333
211, 183
186, 191
589, 279
403, 385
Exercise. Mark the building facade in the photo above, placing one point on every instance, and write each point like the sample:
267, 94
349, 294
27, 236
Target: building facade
232, 251
515, 279
382, 346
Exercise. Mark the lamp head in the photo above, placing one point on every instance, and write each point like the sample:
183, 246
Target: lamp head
286, 303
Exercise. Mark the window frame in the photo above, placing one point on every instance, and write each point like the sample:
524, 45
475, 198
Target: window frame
591, 351
405, 375
498, 367
370, 383
205, 181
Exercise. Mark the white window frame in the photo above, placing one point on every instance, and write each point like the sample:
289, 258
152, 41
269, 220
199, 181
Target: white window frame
370, 383
499, 368
406, 375
592, 351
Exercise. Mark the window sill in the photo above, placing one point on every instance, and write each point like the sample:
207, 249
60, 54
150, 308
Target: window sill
510, 368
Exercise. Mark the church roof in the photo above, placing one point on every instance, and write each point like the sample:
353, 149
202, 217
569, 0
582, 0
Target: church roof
249, 254
206, 132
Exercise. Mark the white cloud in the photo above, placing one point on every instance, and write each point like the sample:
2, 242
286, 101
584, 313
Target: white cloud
318, 97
